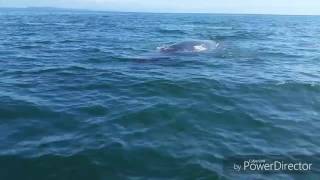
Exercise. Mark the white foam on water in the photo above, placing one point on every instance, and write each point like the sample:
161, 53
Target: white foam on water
200, 48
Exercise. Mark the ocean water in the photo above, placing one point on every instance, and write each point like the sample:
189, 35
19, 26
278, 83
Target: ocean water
95, 95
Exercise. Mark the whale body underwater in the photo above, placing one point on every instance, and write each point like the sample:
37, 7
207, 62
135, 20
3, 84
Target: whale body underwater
189, 47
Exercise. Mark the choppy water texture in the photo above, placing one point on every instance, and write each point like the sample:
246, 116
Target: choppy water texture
90, 95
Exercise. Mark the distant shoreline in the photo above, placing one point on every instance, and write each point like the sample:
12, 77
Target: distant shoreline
145, 12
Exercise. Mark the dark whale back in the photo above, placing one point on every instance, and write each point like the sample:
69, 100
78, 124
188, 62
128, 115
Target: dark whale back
189, 47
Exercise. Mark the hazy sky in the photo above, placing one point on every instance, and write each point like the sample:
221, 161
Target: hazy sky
213, 6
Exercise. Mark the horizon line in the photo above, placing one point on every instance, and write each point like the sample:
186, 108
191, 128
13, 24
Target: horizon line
154, 12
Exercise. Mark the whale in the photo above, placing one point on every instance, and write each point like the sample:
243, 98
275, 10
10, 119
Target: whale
193, 46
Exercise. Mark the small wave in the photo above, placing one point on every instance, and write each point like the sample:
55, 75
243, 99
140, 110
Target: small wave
171, 31
54, 70
281, 54
242, 35
29, 47
66, 41
33, 24
44, 42
94, 110
19, 107
310, 86
141, 58
220, 27
91, 50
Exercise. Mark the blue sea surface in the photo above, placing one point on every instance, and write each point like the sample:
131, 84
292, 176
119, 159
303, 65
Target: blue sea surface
90, 95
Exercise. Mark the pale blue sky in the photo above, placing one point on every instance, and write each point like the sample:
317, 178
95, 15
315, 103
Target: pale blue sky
210, 6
